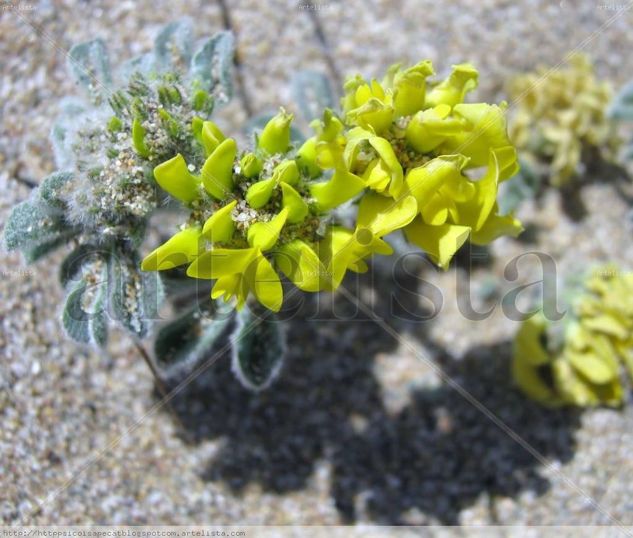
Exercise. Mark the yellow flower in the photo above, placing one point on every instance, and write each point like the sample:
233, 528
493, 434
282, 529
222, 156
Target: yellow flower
453, 208
452, 90
275, 137
343, 249
411, 138
584, 368
560, 112
216, 174
368, 105
408, 86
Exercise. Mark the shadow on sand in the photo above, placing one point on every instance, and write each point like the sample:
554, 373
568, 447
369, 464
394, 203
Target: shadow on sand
437, 455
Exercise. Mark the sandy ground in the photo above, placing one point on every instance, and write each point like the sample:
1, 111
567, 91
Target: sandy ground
360, 427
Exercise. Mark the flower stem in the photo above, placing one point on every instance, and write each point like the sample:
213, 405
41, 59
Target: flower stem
160, 384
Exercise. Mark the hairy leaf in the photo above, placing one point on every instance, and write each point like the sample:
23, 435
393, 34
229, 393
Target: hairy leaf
90, 66
52, 187
313, 94
191, 337
134, 296
212, 63
622, 105
84, 317
258, 349
173, 45
31, 223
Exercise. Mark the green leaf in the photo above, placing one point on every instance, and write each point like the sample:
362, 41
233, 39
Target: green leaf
622, 106
90, 66
85, 317
191, 337
134, 296
72, 265
62, 135
211, 66
258, 349
38, 251
31, 223
521, 187
173, 45
313, 94
52, 187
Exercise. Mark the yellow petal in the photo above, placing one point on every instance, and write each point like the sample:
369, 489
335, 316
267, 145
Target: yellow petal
296, 205
264, 235
386, 153
227, 286
594, 368
485, 130
258, 194
300, 263
219, 227
429, 128
219, 262
339, 189
336, 252
174, 177
217, 171
410, 88
495, 227
287, 172
211, 137
180, 249
452, 90
476, 210
435, 211
266, 286
250, 165
607, 324
439, 242
424, 180
275, 138
307, 158
382, 215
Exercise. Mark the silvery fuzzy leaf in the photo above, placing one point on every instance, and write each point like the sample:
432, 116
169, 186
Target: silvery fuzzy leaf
622, 106
258, 347
191, 338
312, 93
84, 317
30, 223
173, 46
90, 66
211, 66
134, 296
143, 65
51, 189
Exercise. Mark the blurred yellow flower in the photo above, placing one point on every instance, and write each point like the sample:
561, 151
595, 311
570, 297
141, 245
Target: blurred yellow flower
584, 368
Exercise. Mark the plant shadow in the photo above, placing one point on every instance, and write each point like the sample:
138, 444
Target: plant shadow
437, 454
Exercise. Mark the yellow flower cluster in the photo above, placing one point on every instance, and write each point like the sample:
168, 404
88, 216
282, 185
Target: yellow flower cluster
584, 367
412, 144
402, 149
561, 112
